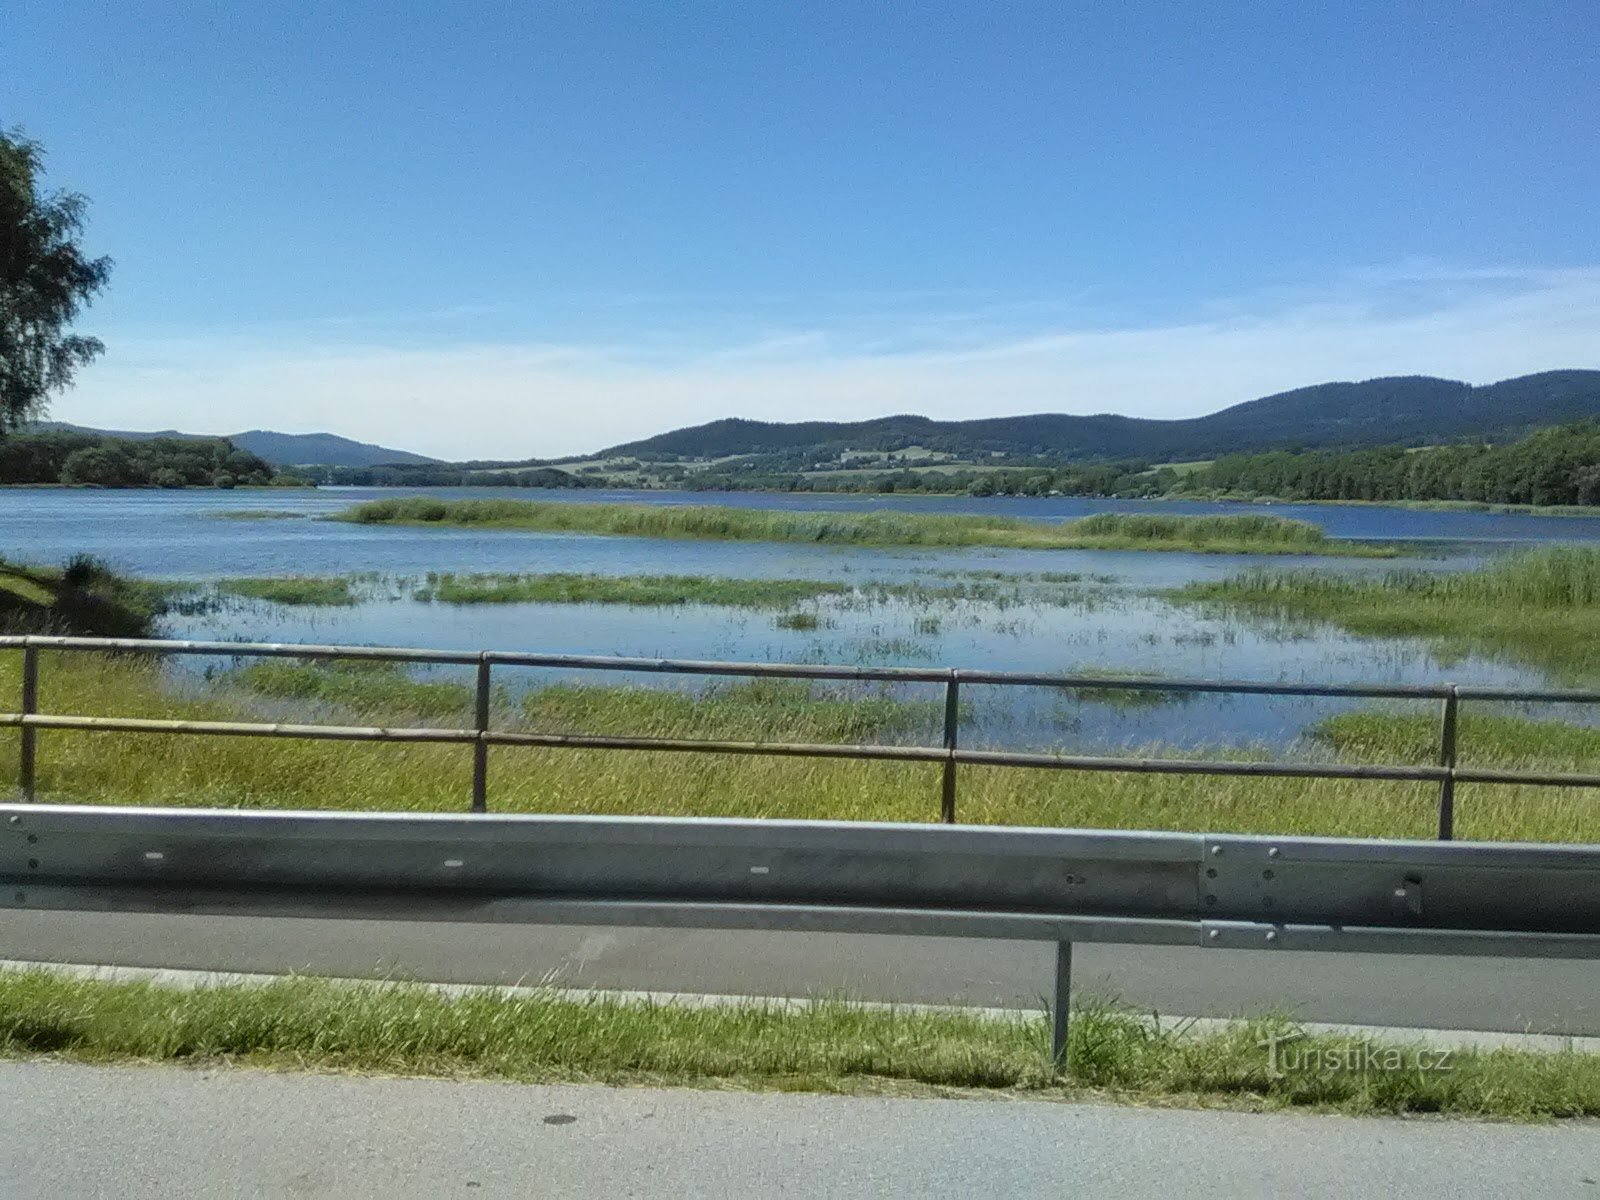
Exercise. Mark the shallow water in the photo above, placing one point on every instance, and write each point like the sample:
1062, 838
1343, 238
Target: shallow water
1108, 623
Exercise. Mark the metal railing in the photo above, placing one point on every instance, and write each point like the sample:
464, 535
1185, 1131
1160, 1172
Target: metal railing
950, 755
1207, 891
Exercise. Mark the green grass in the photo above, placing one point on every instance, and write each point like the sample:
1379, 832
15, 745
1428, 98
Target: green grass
662, 590
755, 710
355, 686
293, 589
83, 598
1483, 739
124, 768
624, 589
1111, 531
829, 1045
1541, 607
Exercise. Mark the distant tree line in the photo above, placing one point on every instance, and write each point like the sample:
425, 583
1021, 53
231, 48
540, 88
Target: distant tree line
87, 459
1555, 466
443, 475
1087, 479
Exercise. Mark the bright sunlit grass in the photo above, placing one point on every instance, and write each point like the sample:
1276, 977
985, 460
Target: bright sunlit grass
829, 1045
186, 770
1540, 607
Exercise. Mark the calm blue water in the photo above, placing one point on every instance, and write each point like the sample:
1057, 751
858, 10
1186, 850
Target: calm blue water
178, 535
1110, 622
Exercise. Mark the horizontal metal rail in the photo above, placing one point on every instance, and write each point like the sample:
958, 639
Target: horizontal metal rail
595, 662
1062, 886
1447, 774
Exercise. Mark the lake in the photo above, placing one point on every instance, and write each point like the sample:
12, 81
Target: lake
1110, 620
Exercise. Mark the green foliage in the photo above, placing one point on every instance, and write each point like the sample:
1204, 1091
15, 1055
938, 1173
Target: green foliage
1559, 466
45, 281
94, 460
1226, 534
84, 598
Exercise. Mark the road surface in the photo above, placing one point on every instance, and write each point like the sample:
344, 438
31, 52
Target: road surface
1508, 995
126, 1132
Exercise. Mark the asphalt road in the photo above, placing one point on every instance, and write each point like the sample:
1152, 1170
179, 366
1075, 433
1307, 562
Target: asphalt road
126, 1132
1509, 995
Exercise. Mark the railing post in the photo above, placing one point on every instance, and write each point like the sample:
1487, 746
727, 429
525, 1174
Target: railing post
27, 758
480, 748
1059, 1007
952, 724
1447, 759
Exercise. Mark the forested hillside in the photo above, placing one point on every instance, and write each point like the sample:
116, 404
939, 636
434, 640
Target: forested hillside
1553, 466
1409, 410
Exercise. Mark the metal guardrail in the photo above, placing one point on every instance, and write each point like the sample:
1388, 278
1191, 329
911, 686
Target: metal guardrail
1447, 774
1061, 886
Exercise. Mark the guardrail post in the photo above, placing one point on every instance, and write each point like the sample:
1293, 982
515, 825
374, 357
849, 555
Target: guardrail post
1059, 1007
1447, 759
480, 748
952, 724
27, 758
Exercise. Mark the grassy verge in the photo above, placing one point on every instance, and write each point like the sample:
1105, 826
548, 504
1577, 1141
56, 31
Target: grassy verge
292, 589
1541, 607
827, 1046
84, 598
1105, 531
124, 768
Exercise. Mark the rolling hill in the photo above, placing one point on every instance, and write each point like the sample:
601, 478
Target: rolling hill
1413, 410
279, 449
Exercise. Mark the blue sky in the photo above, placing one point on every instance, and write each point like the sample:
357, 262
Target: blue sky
477, 229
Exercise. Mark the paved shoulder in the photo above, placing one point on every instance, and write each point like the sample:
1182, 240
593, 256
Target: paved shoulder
161, 1132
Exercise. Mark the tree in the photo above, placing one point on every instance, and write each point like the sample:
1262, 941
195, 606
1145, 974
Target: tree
45, 281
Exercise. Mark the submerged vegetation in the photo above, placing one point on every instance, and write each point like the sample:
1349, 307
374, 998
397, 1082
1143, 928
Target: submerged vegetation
1105, 531
1540, 607
624, 589
124, 768
828, 1045
664, 590
293, 589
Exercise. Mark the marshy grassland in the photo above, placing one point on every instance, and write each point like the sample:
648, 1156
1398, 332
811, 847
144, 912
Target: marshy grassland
229, 772
1247, 534
327, 590
1540, 607
828, 1045
653, 591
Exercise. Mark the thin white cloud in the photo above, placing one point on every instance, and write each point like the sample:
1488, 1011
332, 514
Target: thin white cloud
510, 400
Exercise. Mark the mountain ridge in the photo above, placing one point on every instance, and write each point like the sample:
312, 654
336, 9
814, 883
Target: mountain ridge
1414, 409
